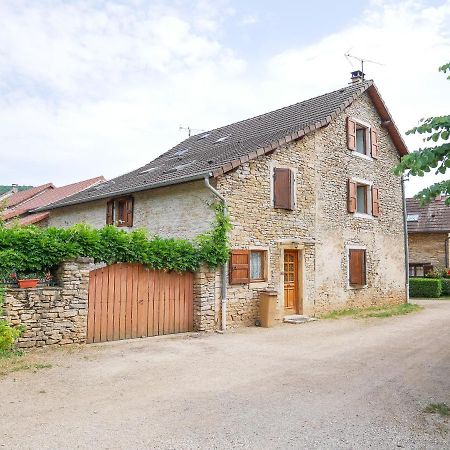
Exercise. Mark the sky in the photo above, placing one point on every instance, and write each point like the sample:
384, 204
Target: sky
93, 87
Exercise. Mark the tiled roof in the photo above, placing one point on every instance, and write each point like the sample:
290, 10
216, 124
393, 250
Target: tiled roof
431, 218
49, 196
223, 149
34, 218
22, 196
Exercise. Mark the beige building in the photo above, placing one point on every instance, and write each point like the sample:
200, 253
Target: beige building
317, 214
428, 235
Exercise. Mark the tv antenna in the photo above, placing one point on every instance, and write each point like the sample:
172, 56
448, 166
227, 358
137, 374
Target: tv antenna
361, 60
189, 130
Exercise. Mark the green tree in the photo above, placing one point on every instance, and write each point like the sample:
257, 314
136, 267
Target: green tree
437, 130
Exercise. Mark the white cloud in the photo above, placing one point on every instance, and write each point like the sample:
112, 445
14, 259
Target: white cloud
92, 89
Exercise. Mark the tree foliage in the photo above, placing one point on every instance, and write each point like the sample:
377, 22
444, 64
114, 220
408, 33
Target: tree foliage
33, 249
436, 130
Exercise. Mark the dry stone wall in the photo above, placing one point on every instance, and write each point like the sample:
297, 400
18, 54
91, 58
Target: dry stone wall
53, 315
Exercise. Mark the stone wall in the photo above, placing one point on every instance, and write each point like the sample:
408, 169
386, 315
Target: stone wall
181, 211
53, 315
427, 248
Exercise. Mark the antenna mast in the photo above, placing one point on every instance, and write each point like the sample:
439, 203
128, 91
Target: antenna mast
189, 130
361, 60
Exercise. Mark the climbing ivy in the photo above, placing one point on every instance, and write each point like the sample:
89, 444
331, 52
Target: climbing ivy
34, 249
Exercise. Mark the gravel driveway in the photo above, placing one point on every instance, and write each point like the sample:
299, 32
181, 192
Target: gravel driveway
351, 384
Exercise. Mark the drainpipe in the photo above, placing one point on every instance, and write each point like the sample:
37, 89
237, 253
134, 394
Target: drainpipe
405, 232
223, 326
447, 253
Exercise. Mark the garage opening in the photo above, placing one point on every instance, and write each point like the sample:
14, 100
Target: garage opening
129, 301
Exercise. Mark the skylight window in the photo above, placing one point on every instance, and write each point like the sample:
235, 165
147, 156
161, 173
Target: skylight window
203, 136
412, 217
150, 169
221, 139
179, 152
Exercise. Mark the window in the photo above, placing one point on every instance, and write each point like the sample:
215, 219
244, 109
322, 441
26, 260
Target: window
363, 198
119, 212
361, 138
357, 267
248, 266
283, 188
419, 269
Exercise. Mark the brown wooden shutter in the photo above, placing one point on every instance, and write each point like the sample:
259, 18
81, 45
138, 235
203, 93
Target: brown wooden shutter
239, 266
283, 188
375, 201
129, 212
374, 144
351, 134
351, 196
110, 212
357, 267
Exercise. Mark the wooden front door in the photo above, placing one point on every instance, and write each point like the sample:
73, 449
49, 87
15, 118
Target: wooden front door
291, 300
129, 301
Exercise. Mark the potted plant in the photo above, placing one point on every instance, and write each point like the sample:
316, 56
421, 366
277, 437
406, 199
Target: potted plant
28, 280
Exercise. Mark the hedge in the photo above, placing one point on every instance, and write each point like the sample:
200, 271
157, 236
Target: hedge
33, 249
425, 287
445, 286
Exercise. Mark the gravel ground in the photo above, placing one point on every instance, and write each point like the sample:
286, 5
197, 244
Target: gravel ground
350, 384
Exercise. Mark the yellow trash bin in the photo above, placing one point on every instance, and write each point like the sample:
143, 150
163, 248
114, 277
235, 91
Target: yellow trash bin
268, 308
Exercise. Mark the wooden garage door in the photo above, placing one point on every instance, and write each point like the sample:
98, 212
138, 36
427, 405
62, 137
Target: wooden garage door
129, 301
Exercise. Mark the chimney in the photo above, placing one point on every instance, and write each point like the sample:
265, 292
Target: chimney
14, 188
357, 76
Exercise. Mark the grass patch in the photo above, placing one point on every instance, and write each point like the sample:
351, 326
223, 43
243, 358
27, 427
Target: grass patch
17, 361
373, 311
438, 408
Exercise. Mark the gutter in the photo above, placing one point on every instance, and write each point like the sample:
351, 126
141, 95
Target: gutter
223, 325
405, 237
122, 192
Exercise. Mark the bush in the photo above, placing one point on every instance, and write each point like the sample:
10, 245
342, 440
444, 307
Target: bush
425, 287
445, 286
8, 334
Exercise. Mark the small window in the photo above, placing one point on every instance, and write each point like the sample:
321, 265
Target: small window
357, 267
119, 212
361, 138
361, 198
419, 269
257, 265
283, 188
248, 266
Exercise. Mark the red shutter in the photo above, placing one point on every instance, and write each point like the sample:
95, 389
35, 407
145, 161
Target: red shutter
375, 201
110, 212
351, 134
374, 144
357, 267
129, 211
351, 196
283, 188
239, 266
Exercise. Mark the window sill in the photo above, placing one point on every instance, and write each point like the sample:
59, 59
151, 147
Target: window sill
353, 288
361, 155
258, 284
363, 216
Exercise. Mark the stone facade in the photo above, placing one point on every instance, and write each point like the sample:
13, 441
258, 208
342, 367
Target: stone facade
319, 227
175, 211
428, 248
53, 315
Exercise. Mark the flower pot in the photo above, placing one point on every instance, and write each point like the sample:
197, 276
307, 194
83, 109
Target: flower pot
27, 284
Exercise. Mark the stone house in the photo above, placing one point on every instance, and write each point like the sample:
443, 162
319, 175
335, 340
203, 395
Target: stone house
317, 214
428, 235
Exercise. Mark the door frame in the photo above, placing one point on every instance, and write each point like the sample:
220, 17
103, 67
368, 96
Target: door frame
300, 276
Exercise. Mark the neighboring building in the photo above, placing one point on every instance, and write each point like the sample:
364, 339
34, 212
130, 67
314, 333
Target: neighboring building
428, 235
19, 204
317, 214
